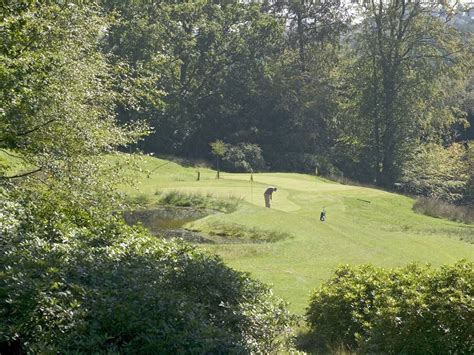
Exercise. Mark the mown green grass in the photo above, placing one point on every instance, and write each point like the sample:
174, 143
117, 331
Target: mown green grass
363, 225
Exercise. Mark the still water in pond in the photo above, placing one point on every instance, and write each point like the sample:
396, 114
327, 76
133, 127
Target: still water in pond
163, 219
160, 224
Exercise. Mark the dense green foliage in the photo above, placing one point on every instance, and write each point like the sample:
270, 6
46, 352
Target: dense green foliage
355, 88
402, 86
205, 57
243, 157
57, 103
73, 277
415, 309
56, 84
438, 172
91, 285
469, 192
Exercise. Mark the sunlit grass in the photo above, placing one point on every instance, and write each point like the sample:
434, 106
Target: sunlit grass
363, 225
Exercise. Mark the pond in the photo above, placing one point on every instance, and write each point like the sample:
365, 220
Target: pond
168, 221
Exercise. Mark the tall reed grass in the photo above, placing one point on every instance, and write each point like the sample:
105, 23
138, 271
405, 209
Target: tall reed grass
198, 200
441, 209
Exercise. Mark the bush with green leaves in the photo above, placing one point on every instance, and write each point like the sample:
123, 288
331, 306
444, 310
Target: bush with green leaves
73, 277
438, 172
90, 285
411, 310
243, 157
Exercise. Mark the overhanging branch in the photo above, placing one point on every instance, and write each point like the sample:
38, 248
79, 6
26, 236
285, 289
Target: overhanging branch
25, 133
22, 174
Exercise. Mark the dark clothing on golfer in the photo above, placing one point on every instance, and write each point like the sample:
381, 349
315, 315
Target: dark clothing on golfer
268, 195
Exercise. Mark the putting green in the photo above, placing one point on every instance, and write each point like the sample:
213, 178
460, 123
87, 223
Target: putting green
363, 225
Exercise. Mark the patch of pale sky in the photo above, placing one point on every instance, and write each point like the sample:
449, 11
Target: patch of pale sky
356, 6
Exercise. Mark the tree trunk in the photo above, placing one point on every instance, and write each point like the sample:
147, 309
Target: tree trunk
388, 173
300, 30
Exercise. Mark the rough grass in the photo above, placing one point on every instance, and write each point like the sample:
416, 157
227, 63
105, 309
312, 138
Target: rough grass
140, 200
198, 200
183, 199
440, 209
364, 225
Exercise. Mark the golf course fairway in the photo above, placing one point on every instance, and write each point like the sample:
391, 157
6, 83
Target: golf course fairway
363, 225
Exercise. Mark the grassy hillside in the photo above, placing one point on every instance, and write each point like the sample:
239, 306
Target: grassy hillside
363, 225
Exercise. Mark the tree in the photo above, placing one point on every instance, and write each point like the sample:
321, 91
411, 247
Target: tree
218, 149
297, 100
243, 157
398, 98
74, 277
468, 195
57, 103
311, 23
297, 110
437, 172
57, 113
205, 57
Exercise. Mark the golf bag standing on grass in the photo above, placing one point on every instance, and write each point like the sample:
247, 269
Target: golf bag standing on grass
322, 216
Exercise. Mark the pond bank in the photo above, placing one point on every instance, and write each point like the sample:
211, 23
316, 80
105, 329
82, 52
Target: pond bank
168, 221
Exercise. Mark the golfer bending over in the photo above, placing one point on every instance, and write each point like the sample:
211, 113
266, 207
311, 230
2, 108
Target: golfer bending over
268, 195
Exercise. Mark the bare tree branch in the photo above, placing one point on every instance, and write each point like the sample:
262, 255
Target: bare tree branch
34, 129
22, 174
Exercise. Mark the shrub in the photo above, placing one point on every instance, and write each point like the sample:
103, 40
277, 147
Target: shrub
437, 172
324, 167
102, 287
243, 157
410, 310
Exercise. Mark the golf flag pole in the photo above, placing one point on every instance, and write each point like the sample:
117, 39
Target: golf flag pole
251, 185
